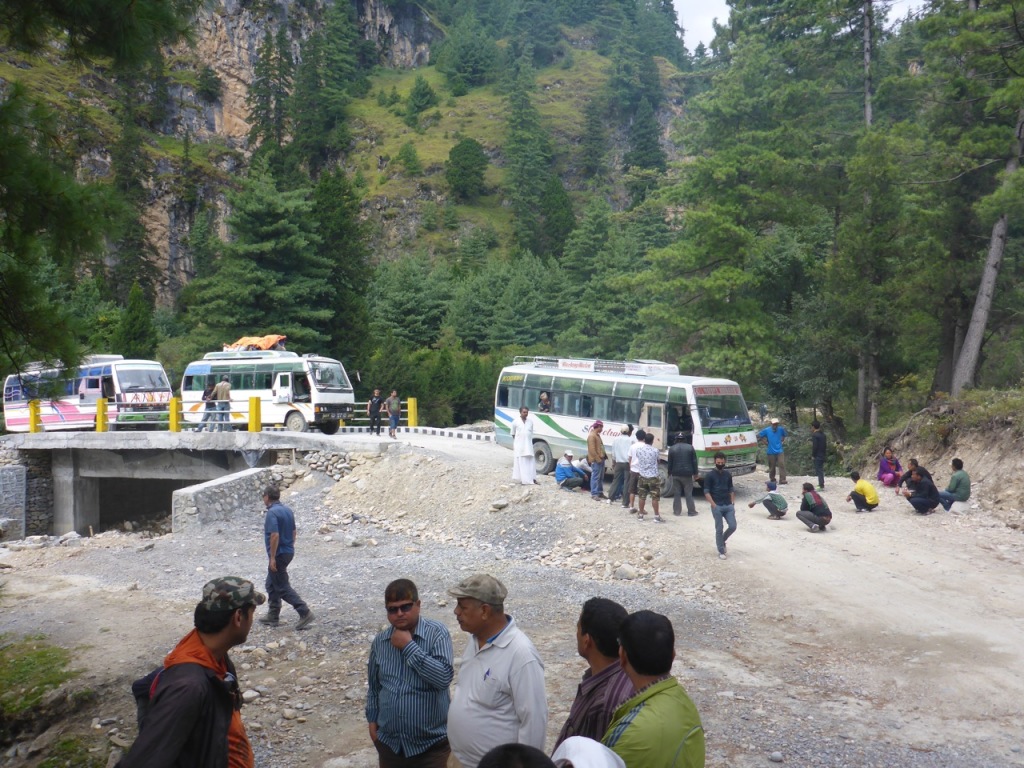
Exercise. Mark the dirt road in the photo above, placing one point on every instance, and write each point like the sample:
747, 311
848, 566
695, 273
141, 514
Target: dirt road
891, 640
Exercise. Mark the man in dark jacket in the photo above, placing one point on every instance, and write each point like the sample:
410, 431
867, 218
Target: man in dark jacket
194, 717
682, 468
925, 496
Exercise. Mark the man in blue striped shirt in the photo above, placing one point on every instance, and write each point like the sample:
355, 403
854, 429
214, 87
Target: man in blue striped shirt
409, 672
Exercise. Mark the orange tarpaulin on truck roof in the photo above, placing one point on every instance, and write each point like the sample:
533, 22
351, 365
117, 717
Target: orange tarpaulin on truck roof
272, 341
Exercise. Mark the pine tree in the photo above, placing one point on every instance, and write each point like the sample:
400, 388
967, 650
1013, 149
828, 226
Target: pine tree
48, 220
527, 162
420, 99
468, 56
272, 277
594, 142
343, 245
465, 169
135, 335
267, 98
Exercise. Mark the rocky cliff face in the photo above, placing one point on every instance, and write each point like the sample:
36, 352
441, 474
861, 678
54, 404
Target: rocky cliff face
227, 37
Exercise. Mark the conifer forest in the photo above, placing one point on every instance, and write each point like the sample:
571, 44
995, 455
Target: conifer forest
825, 203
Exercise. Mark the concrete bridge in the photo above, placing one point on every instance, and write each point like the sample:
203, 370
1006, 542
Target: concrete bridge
74, 481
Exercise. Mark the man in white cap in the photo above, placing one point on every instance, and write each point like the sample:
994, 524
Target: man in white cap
499, 698
775, 441
568, 475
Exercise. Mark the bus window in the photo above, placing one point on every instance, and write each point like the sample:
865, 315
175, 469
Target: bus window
503, 396
571, 405
654, 417
565, 384
626, 411
515, 398
538, 382
531, 397
655, 394
586, 406
602, 408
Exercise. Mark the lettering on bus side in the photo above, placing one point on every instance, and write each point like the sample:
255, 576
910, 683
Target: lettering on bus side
717, 390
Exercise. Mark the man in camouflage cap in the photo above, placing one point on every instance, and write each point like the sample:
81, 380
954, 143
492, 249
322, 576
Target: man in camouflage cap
194, 712
499, 698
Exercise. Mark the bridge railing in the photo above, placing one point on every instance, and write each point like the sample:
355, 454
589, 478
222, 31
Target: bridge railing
251, 414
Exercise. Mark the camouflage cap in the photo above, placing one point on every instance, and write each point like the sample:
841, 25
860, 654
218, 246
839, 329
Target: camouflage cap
482, 587
230, 592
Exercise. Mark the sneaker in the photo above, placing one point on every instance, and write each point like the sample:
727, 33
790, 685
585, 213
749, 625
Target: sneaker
691, 514
659, 519
814, 528
633, 510
821, 487
640, 517
721, 556
304, 621
270, 621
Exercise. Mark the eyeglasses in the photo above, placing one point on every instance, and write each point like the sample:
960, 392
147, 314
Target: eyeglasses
403, 608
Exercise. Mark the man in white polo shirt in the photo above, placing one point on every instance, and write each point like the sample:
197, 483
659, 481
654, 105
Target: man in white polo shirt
499, 698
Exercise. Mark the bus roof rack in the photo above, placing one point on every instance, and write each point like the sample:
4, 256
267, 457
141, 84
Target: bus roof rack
242, 354
640, 367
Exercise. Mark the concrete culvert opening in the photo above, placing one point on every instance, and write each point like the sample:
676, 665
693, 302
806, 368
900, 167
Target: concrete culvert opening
140, 501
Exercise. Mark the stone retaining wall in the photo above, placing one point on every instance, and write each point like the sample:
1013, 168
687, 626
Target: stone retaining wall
38, 500
219, 500
12, 502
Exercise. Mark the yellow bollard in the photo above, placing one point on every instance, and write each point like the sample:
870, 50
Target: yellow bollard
255, 420
35, 422
412, 409
174, 415
101, 415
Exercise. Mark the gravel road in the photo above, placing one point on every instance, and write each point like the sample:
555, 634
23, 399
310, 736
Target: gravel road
889, 641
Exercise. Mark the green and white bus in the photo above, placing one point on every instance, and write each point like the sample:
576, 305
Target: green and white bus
648, 394
297, 391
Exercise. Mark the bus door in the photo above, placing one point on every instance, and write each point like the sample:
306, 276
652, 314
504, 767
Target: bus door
90, 389
652, 421
282, 390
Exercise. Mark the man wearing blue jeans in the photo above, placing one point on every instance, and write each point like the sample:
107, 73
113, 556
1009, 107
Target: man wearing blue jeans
721, 495
279, 537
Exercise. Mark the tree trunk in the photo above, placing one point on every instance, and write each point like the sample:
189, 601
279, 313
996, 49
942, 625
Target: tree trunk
967, 363
874, 387
862, 394
869, 20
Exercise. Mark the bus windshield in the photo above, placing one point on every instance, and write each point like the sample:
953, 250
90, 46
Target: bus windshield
721, 406
329, 377
142, 378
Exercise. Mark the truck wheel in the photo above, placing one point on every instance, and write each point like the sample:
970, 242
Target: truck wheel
667, 486
329, 427
542, 457
295, 422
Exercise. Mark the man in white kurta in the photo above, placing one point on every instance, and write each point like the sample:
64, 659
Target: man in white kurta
524, 468
499, 698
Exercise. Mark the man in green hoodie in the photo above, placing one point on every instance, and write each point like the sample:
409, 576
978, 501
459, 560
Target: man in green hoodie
659, 727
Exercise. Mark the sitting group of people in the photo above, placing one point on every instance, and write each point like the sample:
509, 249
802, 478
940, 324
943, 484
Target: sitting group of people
921, 490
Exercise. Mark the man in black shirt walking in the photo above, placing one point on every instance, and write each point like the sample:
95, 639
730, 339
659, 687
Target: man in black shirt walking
721, 495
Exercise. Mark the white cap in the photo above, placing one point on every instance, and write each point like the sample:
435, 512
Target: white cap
581, 752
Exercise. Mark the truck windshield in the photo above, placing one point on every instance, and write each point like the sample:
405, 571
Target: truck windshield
723, 410
329, 377
142, 379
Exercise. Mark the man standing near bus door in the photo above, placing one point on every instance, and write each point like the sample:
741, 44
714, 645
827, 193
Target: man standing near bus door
775, 439
373, 408
394, 406
620, 458
682, 468
524, 467
222, 394
595, 457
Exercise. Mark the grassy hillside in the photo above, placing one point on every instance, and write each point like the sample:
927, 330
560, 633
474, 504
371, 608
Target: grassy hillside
560, 95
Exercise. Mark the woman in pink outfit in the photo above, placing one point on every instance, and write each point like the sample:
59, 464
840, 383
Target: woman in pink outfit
889, 469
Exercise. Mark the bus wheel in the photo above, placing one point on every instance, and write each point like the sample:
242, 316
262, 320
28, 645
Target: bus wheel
329, 427
542, 457
295, 422
667, 486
